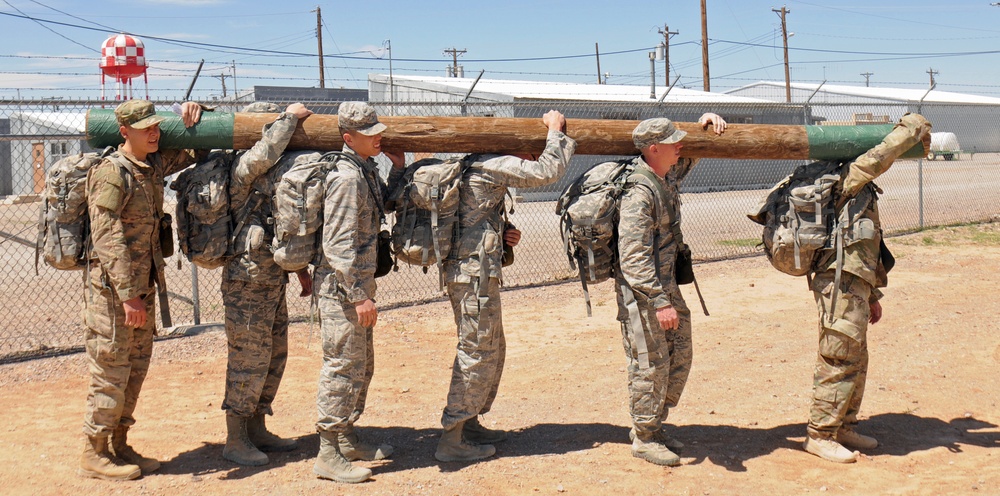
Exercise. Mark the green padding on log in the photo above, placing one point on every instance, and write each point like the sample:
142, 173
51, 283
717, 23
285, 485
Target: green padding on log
214, 130
849, 142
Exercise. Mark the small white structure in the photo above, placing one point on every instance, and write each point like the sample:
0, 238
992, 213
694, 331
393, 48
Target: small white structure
944, 145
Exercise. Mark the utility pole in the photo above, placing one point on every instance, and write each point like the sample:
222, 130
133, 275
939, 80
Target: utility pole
704, 47
597, 51
667, 33
866, 76
784, 39
319, 39
222, 77
933, 73
454, 57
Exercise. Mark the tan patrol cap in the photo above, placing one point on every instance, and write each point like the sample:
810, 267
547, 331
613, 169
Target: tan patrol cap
360, 117
656, 130
138, 114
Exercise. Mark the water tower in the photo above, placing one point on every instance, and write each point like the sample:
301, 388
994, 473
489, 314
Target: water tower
123, 58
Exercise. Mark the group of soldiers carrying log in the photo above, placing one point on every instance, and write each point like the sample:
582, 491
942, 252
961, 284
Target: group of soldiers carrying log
125, 198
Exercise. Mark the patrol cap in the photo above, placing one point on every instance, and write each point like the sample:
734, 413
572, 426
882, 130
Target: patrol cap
360, 117
261, 108
138, 114
656, 130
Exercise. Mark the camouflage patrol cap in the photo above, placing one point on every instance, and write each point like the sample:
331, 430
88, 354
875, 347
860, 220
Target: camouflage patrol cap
138, 114
360, 117
261, 108
656, 130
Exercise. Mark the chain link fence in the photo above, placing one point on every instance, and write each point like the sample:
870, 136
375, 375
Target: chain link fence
41, 307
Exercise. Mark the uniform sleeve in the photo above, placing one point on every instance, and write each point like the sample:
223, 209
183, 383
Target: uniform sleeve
680, 171
636, 246
910, 130
106, 197
514, 172
340, 233
256, 161
176, 160
392, 182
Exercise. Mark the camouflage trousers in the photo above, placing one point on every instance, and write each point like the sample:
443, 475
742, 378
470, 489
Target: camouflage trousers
842, 361
117, 357
257, 333
659, 361
348, 366
480, 353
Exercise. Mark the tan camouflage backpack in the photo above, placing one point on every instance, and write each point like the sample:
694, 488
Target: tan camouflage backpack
63, 223
426, 206
204, 227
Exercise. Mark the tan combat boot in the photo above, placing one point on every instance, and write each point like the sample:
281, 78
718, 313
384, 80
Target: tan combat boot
474, 432
121, 449
828, 449
654, 451
331, 464
263, 439
847, 436
238, 448
662, 437
452, 448
99, 463
353, 449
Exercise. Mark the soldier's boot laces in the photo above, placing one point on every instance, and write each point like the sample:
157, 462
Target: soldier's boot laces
828, 449
474, 432
331, 463
452, 448
98, 462
238, 448
263, 439
662, 437
121, 449
354, 449
654, 452
848, 437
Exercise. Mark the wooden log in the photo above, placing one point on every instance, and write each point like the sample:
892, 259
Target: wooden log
513, 135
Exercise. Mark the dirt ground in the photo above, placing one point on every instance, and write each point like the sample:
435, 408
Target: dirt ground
932, 397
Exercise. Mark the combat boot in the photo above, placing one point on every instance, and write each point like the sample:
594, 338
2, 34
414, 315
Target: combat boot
474, 432
828, 449
121, 449
353, 449
263, 439
662, 437
238, 448
98, 462
653, 451
331, 464
452, 448
847, 436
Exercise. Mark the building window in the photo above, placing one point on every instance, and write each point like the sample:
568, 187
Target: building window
58, 149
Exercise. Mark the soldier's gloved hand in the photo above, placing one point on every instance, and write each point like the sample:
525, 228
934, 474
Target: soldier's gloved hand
667, 317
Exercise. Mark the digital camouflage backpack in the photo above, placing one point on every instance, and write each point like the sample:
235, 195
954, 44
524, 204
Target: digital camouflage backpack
426, 206
204, 227
798, 215
63, 222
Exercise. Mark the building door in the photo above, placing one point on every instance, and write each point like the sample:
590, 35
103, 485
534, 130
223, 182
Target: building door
38, 166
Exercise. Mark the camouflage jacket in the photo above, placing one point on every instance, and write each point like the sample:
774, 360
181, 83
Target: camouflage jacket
251, 186
352, 217
481, 203
646, 218
125, 204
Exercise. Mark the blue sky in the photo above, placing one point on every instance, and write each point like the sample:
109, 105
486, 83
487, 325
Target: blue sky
51, 46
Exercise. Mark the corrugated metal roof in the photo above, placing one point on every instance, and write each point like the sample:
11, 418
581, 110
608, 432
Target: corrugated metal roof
56, 120
548, 90
893, 94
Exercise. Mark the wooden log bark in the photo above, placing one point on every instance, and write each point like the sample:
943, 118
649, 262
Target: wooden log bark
517, 135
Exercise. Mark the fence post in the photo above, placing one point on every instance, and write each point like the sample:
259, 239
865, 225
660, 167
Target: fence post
195, 303
920, 191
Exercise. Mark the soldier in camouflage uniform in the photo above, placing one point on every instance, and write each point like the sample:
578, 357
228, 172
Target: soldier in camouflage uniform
842, 361
655, 321
473, 276
125, 205
253, 291
345, 283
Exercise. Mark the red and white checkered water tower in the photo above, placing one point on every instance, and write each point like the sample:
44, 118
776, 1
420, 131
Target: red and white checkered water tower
123, 58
